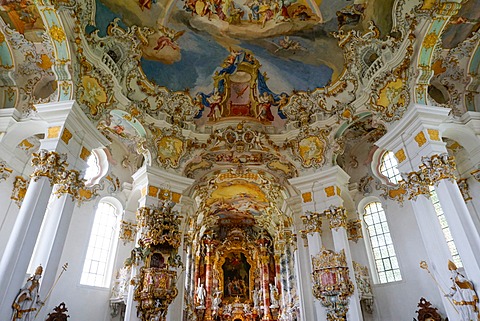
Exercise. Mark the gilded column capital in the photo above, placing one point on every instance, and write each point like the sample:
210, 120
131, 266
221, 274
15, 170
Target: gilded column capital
312, 222
438, 167
127, 231
4, 171
432, 170
69, 182
354, 230
337, 216
414, 183
48, 164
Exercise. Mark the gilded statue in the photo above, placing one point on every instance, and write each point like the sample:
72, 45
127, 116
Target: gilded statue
27, 299
463, 295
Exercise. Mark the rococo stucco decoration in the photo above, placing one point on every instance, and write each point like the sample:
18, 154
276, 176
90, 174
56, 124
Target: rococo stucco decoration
331, 283
235, 99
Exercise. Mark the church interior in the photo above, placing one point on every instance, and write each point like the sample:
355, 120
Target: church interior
240, 160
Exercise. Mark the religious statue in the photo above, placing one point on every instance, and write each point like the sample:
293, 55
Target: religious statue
463, 295
257, 297
273, 296
27, 299
217, 300
201, 293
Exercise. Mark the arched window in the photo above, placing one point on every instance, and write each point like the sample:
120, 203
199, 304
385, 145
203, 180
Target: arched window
98, 265
384, 257
389, 168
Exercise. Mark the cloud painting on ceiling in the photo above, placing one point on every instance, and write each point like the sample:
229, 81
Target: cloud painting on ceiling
290, 38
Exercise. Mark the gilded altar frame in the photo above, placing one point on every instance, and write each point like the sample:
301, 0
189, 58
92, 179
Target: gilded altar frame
220, 260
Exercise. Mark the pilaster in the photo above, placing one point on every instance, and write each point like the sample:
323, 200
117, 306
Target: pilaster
423, 159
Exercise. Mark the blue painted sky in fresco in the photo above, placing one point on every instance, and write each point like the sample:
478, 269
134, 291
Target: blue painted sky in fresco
201, 55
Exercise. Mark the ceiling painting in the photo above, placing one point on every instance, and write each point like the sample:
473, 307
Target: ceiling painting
24, 17
462, 25
290, 39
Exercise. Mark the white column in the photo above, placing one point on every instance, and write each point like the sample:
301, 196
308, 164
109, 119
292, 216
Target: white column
310, 309
462, 228
15, 259
436, 248
418, 135
151, 182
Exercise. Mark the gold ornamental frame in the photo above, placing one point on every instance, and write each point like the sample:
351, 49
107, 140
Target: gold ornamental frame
220, 260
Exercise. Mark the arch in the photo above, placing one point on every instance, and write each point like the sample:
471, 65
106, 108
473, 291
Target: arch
443, 14
19, 131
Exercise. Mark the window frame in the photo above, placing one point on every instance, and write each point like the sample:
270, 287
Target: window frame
377, 161
110, 262
368, 242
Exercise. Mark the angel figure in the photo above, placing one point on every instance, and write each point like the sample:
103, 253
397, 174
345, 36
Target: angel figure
168, 39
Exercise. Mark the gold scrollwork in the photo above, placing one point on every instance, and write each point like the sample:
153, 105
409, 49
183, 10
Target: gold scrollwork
127, 231
69, 182
57, 33
354, 230
20, 186
337, 217
48, 164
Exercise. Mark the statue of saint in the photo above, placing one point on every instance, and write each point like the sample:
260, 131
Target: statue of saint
217, 300
201, 293
27, 299
463, 295
273, 296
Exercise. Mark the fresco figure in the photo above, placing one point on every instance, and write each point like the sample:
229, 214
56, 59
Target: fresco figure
266, 101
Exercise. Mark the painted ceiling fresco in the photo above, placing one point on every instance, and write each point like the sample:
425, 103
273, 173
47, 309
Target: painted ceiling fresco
194, 39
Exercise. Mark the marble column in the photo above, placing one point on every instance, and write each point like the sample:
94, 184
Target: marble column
265, 274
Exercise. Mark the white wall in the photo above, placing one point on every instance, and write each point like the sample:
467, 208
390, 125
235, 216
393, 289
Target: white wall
398, 301
83, 302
